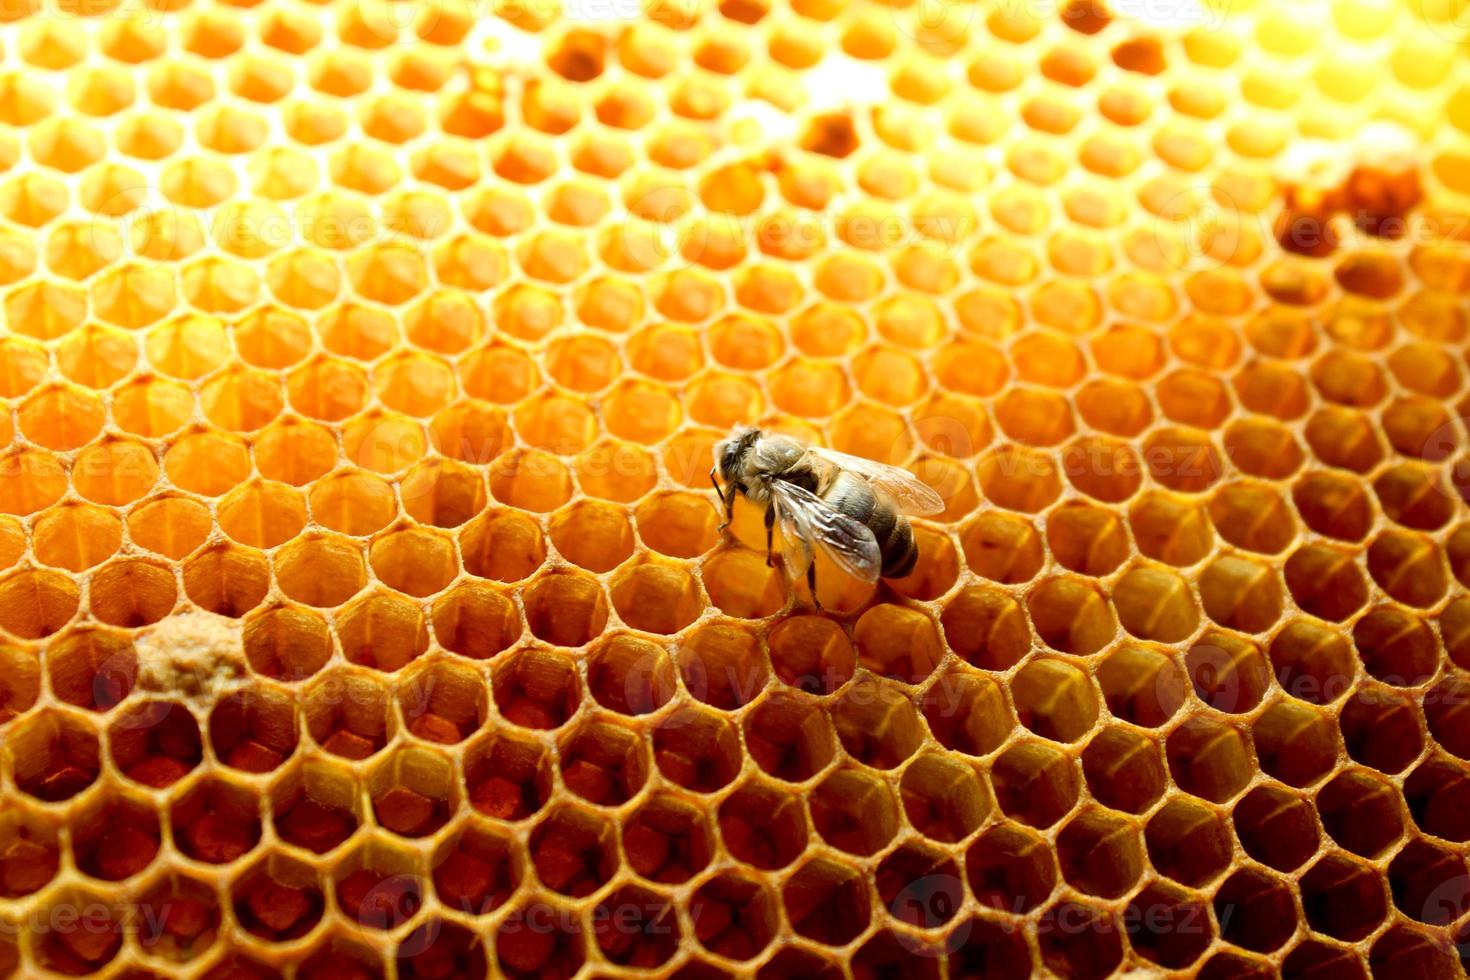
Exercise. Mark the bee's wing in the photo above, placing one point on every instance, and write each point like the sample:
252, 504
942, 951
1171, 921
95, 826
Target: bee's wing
911, 495
806, 519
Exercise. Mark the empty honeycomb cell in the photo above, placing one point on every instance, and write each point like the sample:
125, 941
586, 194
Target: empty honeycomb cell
286, 643
111, 472
896, 642
278, 899
443, 703
1018, 479
1343, 438
377, 887
414, 561
382, 631
76, 537
21, 684
567, 609
227, 580
1034, 783
347, 714
1314, 956
170, 526
1036, 418
667, 840
1086, 539
187, 914
722, 664
413, 791
1312, 662
1100, 853
1414, 496
255, 730
681, 525
475, 871
1381, 728
1276, 827
1418, 426
1255, 911
787, 738
115, 837
132, 593
294, 451
1410, 950
155, 743
1445, 714
1186, 932
943, 799
763, 826
442, 493
604, 763
1433, 791
92, 668
1361, 812
60, 417
1239, 593
1408, 567
872, 431
53, 755
572, 851
1342, 898
825, 901
811, 653
1054, 699
315, 808
507, 777
1115, 407
876, 723
1325, 582
1090, 945
1170, 529
530, 480
1002, 547
503, 545
1333, 505
740, 583
1071, 615
920, 886
262, 515
1252, 517
438, 948
1155, 604
215, 821
320, 569
631, 676
536, 689
1294, 743
1010, 868
1124, 770
1429, 883
88, 944
1209, 758
854, 812
1141, 685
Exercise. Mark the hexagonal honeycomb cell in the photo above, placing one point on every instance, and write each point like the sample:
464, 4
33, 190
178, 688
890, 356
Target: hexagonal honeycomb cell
366, 612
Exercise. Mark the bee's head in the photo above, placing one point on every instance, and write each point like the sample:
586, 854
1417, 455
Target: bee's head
730, 453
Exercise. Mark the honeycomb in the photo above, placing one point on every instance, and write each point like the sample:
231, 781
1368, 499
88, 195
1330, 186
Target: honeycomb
364, 611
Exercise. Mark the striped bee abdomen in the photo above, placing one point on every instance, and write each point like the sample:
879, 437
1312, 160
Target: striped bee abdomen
852, 496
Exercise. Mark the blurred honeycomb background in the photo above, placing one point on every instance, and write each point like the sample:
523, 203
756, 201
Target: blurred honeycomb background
363, 611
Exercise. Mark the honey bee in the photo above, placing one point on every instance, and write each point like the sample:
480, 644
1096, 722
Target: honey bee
851, 509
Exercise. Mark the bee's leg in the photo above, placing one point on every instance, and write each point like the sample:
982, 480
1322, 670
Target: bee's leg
726, 500
811, 583
770, 523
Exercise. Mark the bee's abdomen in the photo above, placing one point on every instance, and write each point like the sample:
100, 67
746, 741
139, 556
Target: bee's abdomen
853, 497
900, 552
